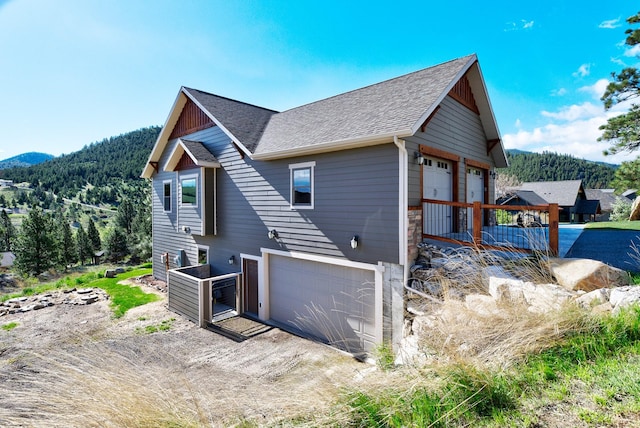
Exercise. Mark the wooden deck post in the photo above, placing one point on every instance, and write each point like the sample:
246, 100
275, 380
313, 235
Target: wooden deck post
554, 219
477, 223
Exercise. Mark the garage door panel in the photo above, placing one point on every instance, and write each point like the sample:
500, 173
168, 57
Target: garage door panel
333, 303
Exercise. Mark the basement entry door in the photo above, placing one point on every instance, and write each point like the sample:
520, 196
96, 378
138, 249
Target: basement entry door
332, 303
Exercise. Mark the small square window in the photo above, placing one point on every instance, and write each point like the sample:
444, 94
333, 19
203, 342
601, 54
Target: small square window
189, 191
203, 255
167, 196
302, 184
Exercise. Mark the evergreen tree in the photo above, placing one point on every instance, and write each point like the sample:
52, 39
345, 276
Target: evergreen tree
83, 245
116, 244
125, 216
7, 232
94, 235
67, 250
35, 247
627, 176
623, 131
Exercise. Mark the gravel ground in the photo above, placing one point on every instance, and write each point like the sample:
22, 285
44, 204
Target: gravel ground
78, 366
614, 247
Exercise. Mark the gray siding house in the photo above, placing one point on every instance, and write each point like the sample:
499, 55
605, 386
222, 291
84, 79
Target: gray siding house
307, 219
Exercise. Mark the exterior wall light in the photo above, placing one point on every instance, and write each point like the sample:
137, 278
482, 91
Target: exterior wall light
273, 234
354, 241
417, 156
232, 260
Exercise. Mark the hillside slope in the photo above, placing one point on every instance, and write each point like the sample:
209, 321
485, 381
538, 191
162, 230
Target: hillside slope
25, 159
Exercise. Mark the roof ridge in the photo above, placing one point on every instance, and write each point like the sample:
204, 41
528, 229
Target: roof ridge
380, 83
229, 99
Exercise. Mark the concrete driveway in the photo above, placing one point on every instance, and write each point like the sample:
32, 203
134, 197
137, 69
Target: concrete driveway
611, 246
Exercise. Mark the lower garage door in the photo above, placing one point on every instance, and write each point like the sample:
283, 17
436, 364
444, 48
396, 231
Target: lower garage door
333, 303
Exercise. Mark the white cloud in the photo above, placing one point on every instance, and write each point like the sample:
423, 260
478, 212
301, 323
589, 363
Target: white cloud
597, 89
610, 23
574, 112
633, 51
527, 24
583, 70
518, 123
558, 92
522, 25
573, 130
618, 61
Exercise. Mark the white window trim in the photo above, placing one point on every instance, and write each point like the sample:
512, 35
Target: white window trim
302, 165
205, 248
170, 183
189, 177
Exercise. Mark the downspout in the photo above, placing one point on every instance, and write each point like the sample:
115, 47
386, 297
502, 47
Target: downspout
403, 213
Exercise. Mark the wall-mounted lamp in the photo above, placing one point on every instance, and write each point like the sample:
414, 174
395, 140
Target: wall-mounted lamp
273, 234
354, 241
417, 156
186, 229
493, 174
232, 260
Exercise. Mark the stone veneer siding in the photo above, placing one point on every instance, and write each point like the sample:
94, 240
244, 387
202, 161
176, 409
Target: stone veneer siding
414, 232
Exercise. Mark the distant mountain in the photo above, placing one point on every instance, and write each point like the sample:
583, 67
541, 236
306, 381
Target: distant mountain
98, 166
25, 159
548, 166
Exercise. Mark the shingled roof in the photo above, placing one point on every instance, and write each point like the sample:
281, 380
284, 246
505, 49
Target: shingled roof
393, 107
564, 193
371, 115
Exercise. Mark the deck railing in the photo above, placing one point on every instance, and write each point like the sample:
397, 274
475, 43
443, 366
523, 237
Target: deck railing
525, 228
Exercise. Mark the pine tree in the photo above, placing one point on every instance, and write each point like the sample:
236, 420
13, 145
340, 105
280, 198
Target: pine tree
35, 247
125, 215
67, 250
116, 244
83, 245
7, 232
94, 235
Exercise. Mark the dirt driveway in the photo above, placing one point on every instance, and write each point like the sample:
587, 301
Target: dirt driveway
77, 366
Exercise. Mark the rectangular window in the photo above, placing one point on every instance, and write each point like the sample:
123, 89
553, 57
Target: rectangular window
167, 196
203, 255
189, 191
302, 184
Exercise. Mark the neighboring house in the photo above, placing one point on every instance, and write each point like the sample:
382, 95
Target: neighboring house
573, 204
318, 207
607, 199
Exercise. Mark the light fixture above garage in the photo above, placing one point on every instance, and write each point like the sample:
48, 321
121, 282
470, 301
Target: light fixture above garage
417, 156
232, 259
273, 234
354, 241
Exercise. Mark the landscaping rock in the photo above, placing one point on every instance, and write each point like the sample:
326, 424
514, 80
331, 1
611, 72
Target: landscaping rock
586, 275
110, 273
622, 297
635, 209
593, 298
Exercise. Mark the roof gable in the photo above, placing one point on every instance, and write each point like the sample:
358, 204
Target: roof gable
563, 193
196, 152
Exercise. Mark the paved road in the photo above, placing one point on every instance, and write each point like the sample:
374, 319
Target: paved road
614, 247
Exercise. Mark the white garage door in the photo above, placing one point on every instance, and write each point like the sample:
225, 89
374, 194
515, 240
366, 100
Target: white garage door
437, 184
475, 190
333, 303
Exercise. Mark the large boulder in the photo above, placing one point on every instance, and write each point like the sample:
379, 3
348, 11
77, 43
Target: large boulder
622, 297
635, 209
587, 275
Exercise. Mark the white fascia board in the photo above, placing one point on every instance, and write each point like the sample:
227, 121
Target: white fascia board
333, 146
324, 259
163, 137
220, 125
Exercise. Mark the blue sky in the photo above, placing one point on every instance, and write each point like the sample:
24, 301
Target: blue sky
76, 71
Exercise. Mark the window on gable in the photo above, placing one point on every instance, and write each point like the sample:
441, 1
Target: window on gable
302, 183
166, 202
189, 191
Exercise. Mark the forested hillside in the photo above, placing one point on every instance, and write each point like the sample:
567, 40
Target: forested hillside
547, 166
25, 159
109, 162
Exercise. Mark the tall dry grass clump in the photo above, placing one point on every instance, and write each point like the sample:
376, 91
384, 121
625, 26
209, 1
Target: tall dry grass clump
464, 324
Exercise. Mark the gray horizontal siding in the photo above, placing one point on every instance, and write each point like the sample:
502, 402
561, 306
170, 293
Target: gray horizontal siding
356, 193
454, 129
183, 296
